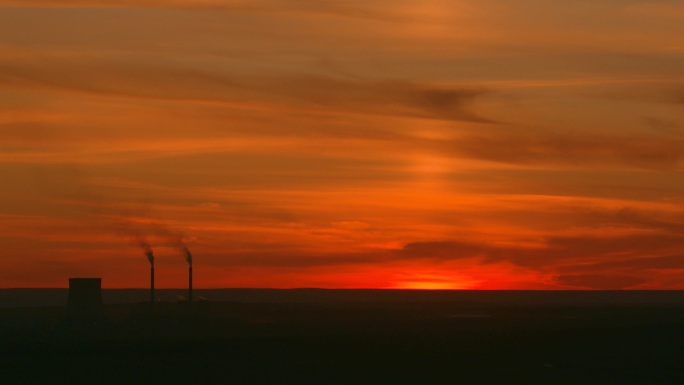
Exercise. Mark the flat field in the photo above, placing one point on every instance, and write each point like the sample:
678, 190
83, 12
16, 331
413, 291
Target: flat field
347, 342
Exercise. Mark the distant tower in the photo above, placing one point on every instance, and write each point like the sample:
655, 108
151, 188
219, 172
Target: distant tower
190, 283
152, 285
85, 298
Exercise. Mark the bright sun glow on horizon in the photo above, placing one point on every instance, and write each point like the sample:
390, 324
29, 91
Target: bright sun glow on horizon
433, 281
426, 285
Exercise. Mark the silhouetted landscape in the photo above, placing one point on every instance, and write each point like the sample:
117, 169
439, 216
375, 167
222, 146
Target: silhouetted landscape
254, 336
504, 177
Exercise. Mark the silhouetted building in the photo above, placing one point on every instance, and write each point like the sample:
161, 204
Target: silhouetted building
85, 298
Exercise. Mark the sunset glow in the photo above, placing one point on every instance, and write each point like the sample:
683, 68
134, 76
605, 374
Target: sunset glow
440, 144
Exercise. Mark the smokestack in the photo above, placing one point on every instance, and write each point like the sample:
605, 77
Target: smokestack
150, 258
188, 258
152, 284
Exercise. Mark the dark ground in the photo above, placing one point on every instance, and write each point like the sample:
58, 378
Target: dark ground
346, 343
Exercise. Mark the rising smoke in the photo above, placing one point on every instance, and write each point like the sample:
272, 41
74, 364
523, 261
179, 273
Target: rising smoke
147, 249
188, 256
141, 233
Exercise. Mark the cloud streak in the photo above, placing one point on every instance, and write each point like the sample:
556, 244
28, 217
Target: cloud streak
637, 151
144, 80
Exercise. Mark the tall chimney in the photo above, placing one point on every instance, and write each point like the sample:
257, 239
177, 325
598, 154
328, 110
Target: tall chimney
190, 283
152, 284
188, 259
150, 257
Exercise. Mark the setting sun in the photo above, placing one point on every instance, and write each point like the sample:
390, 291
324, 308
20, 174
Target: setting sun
433, 282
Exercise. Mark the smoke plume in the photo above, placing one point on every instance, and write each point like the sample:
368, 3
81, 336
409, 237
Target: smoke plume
188, 256
147, 249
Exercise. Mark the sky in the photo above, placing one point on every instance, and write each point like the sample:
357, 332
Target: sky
432, 144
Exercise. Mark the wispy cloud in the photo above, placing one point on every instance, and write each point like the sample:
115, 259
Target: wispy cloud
601, 281
639, 151
147, 80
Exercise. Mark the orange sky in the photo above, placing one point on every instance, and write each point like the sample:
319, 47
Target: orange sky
398, 144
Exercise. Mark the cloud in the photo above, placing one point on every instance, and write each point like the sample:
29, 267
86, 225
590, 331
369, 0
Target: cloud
177, 83
663, 221
449, 250
598, 252
446, 250
658, 262
115, 78
229, 4
601, 281
383, 10
546, 148
583, 262
664, 91
294, 260
664, 125
390, 97
447, 103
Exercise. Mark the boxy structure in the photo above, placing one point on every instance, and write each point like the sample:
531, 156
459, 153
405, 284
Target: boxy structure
85, 298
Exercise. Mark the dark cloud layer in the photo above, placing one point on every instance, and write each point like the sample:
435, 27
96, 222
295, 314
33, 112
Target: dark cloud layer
638, 151
388, 97
601, 281
556, 251
144, 80
666, 262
